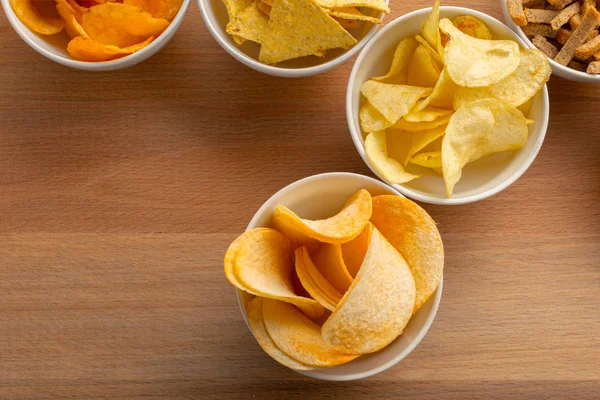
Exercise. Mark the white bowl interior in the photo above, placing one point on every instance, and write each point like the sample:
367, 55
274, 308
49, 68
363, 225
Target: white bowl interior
216, 18
557, 69
55, 46
321, 196
480, 179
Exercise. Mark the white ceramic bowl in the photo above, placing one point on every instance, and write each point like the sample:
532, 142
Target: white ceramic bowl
55, 46
216, 19
321, 196
480, 179
557, 69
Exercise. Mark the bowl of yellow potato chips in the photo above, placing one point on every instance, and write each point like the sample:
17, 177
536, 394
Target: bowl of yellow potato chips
96, 35
292, 38
338, 276
448, 105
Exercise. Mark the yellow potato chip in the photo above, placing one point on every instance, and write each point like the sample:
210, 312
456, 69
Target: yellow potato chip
442, 95
428, 114
399, 143
472, 26
430, 30
372, 120
429, 160
378, 305
420, 140
299, 337
165, 9
354, 251
86, 49
402, 56
423, 126
250, 24
473, 62
259, 262
314, 282
434, 54
380, 5
310, 31
415, 235
257, 324
393, 101
478, 129
121, 25
422, 70
330, 263
387, 167
341, 228
351, 13
68, 14
30, 16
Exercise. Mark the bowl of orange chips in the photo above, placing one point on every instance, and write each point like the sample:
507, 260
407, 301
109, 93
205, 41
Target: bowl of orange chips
448, 105
96, 35
338, 276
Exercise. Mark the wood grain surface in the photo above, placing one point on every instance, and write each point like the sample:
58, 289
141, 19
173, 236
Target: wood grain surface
120, 191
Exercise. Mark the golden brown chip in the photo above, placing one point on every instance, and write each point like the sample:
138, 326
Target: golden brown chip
515, 8
565, 15
590, 21
586, 50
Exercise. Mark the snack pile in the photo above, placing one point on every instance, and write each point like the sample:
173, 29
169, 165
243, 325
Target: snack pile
329, 291
452, 96
565, 30
101, 30
288, 29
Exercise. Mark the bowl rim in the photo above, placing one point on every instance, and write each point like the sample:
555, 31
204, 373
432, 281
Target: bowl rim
118, 63
256, 65
435, 297
357, 135
564, 72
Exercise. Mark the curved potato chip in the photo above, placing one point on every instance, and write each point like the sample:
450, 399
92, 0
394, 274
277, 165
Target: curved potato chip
314, 282
420, 140
399, 143
414, 234
259, 263
372, 120
442, 95
392, 101
354, 251
473, 62
402, 56
30, 16
86, 49
299, 337
430, 30
434, 54
430, 160
378, 305
428, 114
387, 167
479, 129
69, 16
330, 263
257, 324
423, 70
351, 13
341, 228
165, 9
424, 125
374, 4
472, 26
79, 10
121, 25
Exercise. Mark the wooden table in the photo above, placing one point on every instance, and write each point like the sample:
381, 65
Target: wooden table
119, 193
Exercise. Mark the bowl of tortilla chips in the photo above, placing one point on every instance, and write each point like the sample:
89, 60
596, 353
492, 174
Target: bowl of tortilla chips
292, 38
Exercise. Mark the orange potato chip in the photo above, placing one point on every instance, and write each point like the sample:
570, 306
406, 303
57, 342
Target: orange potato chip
30, 16
257, 324
315, 284
378, 305
80, 10
121, 25
414, 234
69, 16
299, 337
259, 262
330, 263
86, 49
165, 9
354, 251
340, 228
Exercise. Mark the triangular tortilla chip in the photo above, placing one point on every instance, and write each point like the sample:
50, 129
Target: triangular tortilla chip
351, 13
250, 24
380, 5
310, 31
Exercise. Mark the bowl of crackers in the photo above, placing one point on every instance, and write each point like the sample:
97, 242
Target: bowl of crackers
292, 38
96, 36
565, 30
